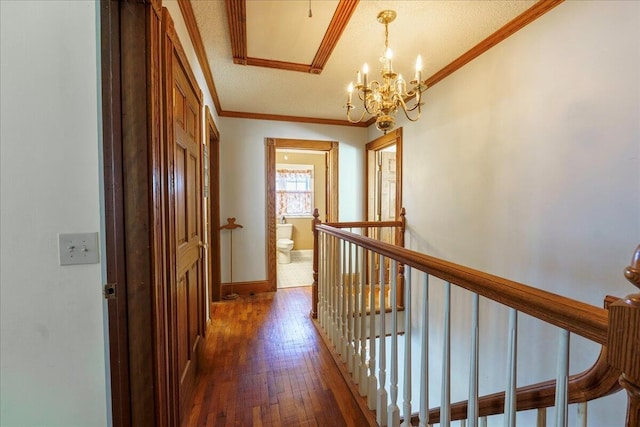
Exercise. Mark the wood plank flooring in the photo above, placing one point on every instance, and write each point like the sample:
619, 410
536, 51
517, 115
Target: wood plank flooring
266, 365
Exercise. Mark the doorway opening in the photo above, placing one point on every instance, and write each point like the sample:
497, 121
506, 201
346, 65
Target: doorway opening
301, 175
300, 188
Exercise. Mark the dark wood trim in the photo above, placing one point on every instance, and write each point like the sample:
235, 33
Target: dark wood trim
114, 257
213, 141
270, 205
272, 63
170, 249
294, 119
623, 339
198, 46
331, 147
519, 22
157, 191
246, 288
237, 21
137, 98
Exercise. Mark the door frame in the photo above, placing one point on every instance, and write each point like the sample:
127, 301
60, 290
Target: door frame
394, 137
212, 142
331, 192
134, 193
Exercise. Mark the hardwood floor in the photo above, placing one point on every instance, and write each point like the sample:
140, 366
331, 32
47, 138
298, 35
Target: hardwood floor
265, 364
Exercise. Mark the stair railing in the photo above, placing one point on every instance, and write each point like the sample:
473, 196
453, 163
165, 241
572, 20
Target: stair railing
372, 356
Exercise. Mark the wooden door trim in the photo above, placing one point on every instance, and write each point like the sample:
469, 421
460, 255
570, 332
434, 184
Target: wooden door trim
213, 211
114, 257
133, 217
394, 137
331, 147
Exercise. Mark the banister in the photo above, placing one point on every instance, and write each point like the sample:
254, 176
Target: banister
624, 340
616, 328
598, 381
365, 224
577, 317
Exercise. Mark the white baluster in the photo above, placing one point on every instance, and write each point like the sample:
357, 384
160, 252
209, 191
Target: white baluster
321, 275
337, 286
406, 406
381, 406
343, 305
445, 405
332, 290
329, 286
581, 419
356, 317
373, 381
362, 385
510, 393
393, 410
350, 318
483, 421
424, 355
562, 380
472, 413
463, 423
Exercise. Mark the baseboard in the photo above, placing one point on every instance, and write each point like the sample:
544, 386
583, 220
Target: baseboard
246, 288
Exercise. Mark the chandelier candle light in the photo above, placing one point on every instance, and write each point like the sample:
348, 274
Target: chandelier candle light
382, 99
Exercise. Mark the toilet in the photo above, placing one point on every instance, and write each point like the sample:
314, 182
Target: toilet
284, 244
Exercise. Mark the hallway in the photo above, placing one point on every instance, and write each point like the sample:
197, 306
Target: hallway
266, 365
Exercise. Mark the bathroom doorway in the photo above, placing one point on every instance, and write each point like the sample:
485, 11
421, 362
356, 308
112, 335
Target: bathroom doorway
301, 176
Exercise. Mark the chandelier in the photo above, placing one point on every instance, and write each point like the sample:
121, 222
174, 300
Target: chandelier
382, 99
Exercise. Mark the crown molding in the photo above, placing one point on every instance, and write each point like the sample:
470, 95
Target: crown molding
284, 118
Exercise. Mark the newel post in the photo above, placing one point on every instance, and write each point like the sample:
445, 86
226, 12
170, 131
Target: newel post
624, 341
314, 286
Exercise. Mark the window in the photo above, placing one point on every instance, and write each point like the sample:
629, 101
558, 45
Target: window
294, 190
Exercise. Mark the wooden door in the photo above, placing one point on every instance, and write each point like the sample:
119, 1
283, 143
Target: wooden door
187, 207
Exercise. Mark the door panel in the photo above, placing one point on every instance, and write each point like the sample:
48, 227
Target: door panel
188, 231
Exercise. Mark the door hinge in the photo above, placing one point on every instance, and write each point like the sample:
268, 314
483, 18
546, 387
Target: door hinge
109, 291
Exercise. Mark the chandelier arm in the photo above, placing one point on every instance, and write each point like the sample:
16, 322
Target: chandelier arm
407, 110
349, 108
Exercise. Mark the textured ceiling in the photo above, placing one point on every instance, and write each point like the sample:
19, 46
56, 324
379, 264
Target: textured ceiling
440, 31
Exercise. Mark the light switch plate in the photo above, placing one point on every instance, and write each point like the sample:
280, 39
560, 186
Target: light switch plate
78, 248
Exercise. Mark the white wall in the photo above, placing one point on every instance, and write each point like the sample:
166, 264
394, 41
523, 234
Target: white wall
243, 187
52, 340
525, 164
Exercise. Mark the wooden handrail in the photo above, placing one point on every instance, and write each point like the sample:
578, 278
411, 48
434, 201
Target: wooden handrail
577, 317
365, 224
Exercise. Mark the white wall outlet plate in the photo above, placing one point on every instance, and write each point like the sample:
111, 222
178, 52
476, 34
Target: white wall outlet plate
78, 248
